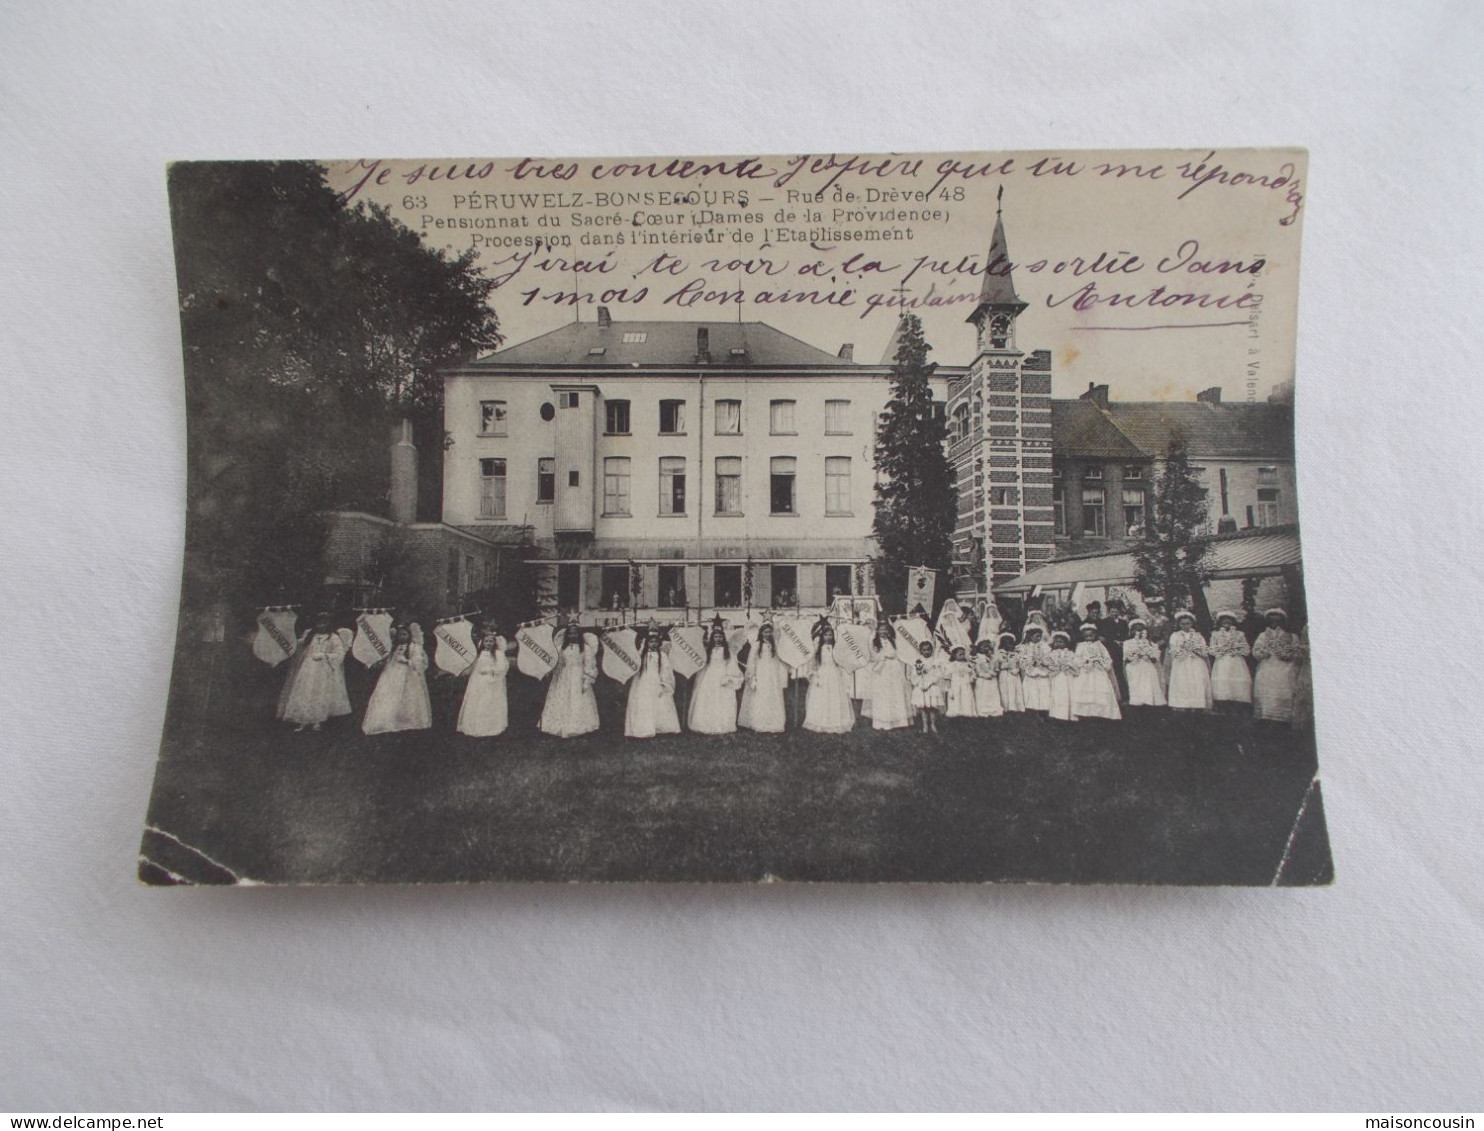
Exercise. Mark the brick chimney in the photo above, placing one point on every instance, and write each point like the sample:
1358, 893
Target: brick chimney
1097, 394
604, 318
1210, 396
847, 352
402, 497
703, 344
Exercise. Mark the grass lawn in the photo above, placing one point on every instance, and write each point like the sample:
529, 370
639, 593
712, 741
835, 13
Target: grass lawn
1158, 798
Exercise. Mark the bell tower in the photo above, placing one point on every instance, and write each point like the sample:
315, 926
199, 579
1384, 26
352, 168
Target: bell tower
1001, 444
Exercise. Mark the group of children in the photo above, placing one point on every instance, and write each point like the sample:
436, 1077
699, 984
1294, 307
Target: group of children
902, 685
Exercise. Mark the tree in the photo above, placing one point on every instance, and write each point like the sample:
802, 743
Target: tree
1173, 560
916, 505
308, 329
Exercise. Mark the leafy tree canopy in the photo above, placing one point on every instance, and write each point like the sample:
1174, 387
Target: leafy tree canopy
308, 328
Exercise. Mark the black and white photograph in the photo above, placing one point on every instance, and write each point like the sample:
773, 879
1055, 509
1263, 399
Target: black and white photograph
827, 517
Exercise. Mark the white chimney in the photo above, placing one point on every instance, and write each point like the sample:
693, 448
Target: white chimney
402, 498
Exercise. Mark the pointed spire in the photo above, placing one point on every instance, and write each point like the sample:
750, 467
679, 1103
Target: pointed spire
894, 343
998, 288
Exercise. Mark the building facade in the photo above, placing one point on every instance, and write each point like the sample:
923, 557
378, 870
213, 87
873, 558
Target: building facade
673, 467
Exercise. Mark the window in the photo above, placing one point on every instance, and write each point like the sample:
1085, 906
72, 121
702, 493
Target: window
837, 485
1133, 510
616, 485
453, 575
615, 587
960, 429
573, 478
633, 337
837, 581
616, 418
728, 418
468, 572
492, 416
784, 584
999, 331
728, 484
672, 417
837, 418
1133, 471
672, 587
1267, 476
1094, 518
781, 485
1267, 506
491, 488
1094, 472
672, 485
1058, 505
568, 400
546, 480
597, 351
489, 573
1003, 497
728, 587
781, 418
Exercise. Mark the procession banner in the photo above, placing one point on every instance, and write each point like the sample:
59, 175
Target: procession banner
688, 649
921, 582
454, 652
853, 646
536, 654
373, 642
275, 641
621, 654
794, 644
915, 631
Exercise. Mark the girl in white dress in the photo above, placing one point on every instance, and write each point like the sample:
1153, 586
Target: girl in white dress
1231, 678
1095, 688
961, 687
1007, 671
1141, 667
1035, 676
314, 691
571, 707
928, 675
763, 686
986, 687
1190, 677
713, 695
1277, 652
400, 701
485, 711
890, 692
1062, 663
827, 708
651, 704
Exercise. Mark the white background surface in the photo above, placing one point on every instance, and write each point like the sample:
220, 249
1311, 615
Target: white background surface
1366, 996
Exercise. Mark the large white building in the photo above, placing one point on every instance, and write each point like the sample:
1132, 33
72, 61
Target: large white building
672, 466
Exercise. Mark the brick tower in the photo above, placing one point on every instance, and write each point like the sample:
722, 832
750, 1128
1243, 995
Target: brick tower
999, 418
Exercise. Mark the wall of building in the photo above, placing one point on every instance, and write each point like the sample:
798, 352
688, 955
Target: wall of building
528, 438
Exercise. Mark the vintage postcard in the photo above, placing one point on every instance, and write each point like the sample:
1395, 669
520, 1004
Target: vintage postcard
826, 517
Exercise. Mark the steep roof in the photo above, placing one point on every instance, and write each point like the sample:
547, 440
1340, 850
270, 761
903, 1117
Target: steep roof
1081, 428
1208, 430
1134, 429
661, 343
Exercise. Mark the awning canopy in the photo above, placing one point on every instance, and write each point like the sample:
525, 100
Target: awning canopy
1247, 554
